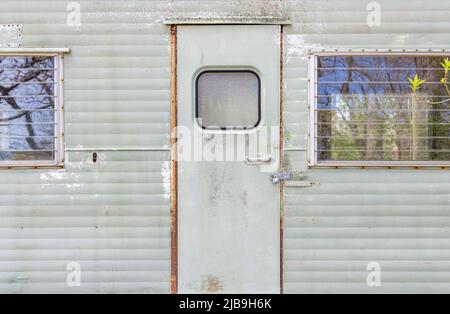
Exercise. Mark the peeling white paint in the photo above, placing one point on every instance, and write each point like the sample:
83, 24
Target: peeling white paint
54, 175
165, 173
233, 10
298, 46
10, 36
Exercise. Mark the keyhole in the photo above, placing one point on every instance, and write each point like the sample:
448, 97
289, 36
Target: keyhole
94, 157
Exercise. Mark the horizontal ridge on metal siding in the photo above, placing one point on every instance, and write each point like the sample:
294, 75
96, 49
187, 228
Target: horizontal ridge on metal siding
352, 217
112, 216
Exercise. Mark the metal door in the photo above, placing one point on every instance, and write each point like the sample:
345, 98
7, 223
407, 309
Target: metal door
228, 208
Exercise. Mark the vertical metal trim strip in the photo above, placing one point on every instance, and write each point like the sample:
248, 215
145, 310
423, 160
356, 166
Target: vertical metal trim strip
173, 164
281, 160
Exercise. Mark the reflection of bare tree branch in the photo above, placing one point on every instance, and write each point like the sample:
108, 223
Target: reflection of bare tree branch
18, 80
49, 92
32, 75
345, 89
388, 74
370, 101
24, 112
12, 102
28, 78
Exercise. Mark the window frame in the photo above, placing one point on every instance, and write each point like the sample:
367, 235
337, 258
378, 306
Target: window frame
313, 161
58, 161
225, 70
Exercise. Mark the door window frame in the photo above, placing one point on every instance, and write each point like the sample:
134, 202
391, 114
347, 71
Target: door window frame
225, 69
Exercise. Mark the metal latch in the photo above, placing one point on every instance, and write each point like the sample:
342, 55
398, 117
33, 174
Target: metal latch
293, 179
277, 177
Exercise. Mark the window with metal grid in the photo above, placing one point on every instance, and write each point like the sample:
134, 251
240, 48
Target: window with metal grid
388, 108
30, 110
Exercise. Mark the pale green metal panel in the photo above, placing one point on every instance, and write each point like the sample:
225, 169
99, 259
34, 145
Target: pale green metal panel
112, 217
220, 208
397, 218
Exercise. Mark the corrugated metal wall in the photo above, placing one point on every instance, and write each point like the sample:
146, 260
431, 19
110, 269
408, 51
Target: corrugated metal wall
397, 218
113, 216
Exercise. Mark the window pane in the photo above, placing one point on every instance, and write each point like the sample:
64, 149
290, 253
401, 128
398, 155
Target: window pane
27, 108
368, 108
228, 99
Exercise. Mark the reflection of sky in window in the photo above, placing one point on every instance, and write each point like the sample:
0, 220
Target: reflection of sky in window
375, 75
25, 83
367, 111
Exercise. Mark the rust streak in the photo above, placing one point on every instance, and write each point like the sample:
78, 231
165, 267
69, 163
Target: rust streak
173, 163
212, 285
281, 160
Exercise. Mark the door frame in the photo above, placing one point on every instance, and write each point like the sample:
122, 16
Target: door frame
174, 164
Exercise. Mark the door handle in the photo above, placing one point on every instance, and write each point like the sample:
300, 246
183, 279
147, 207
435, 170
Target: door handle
258, 160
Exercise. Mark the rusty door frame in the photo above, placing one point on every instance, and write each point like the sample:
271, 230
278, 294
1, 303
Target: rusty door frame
174, 164
281, 159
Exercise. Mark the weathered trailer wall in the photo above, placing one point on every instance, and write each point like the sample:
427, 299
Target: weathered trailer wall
397, 218
113, 216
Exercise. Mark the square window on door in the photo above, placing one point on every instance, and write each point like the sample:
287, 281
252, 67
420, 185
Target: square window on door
228, 99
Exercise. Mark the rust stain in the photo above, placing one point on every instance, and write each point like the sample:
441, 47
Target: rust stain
173, 164
281, 160
244, 197
212, 285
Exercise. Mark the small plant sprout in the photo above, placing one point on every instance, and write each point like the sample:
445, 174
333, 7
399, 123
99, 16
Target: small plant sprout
415, 83
446, 65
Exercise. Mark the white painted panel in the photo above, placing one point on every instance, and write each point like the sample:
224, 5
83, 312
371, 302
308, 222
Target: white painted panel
10, 35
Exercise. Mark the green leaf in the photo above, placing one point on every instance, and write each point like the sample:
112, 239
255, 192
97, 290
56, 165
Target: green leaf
415, 83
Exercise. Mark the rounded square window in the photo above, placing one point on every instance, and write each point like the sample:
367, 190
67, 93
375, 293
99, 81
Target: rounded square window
228, 99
